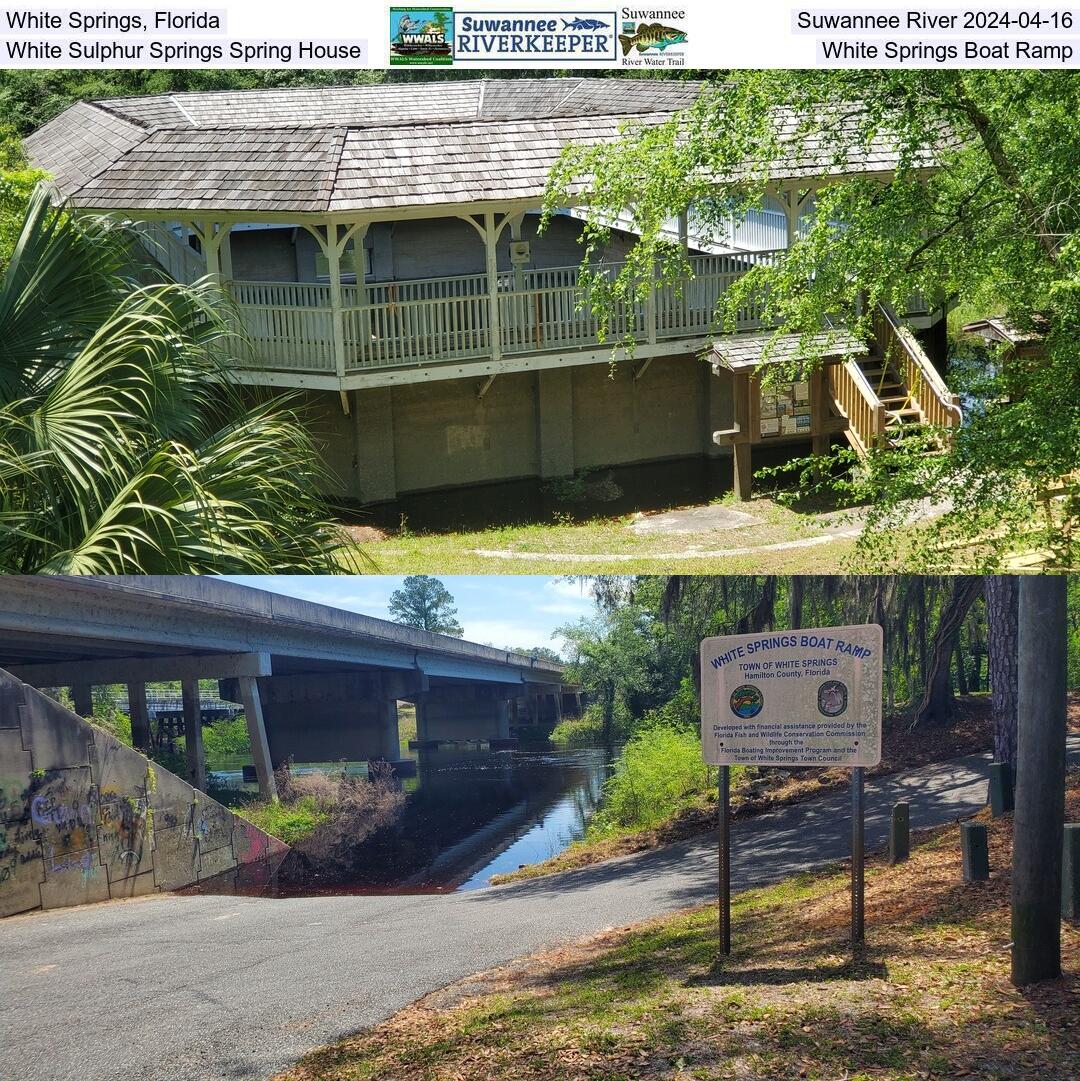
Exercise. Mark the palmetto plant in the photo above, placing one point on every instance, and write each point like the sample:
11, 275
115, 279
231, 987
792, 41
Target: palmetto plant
123, 449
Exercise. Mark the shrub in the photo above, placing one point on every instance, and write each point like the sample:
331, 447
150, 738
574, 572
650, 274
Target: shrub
225, 738
586, 731
659, 771
326, 816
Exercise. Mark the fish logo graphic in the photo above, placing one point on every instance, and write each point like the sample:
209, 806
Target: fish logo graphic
651, 36
584, 24
746, 701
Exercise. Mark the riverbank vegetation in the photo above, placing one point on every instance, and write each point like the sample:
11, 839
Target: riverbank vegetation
325, 817
948, 641
929, 997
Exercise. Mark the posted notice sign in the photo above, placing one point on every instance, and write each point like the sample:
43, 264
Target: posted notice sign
793, 698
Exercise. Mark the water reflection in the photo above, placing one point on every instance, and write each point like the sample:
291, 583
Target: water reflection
469, 813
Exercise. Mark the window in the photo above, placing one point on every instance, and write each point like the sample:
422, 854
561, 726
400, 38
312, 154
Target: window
348, 264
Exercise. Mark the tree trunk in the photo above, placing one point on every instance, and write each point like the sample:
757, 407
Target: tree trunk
1002, 592
937, 706
961, 671
798, 592
1040, 780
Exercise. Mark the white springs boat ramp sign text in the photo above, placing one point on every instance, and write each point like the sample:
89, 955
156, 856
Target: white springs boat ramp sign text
793, 698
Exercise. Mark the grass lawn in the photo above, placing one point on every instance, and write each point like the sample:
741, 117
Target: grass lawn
779, 541
929, 997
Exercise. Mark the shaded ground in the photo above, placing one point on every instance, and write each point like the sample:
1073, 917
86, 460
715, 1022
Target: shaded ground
903, 748
929, 997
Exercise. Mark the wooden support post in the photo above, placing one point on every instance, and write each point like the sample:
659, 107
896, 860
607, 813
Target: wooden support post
140, 717
225, 255
256, 726
491, 252
900, 833
744, 472
741, 387
1001, 789
82, 695
213, 236
791, 213
974, 851
337, 318
1070, 873
819, 397
193, 736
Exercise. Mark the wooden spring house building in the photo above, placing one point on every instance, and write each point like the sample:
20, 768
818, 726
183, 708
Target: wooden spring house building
381, 245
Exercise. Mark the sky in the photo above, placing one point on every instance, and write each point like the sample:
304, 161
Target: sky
520, 611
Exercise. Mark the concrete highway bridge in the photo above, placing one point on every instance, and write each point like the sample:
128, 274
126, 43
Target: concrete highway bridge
316, 683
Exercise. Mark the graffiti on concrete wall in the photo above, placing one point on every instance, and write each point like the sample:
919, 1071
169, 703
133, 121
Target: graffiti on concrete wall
103, 822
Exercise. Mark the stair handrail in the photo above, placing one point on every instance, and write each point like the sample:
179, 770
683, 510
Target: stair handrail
179, 259
866, 424
895, 331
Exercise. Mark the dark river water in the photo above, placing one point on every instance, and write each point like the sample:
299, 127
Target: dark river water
469, 813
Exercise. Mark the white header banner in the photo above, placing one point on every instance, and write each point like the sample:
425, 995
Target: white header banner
698, 35
793, 698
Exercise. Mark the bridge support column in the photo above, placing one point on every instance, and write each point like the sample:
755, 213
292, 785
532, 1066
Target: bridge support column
256, 726
82, 695
140, 716
389, 739
193, 736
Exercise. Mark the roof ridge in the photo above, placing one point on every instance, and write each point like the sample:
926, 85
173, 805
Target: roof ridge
569, 94
94, 103
343, 134
449, 123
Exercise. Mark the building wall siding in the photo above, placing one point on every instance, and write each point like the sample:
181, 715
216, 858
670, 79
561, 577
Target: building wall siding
403, 250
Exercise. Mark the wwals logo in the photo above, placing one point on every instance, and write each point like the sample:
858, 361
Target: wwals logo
421, 36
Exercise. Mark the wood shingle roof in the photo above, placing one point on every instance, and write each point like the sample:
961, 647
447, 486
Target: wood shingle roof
375, 148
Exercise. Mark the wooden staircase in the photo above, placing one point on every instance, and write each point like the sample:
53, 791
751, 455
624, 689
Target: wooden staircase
894, 394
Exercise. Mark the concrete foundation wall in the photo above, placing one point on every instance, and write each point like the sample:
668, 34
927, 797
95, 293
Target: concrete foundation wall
547, 423
84, 818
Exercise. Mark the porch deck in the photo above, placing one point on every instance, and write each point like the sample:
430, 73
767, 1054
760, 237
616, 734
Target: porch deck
390, 326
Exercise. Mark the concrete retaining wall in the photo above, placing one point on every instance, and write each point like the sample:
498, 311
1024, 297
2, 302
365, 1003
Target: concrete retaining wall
84, 818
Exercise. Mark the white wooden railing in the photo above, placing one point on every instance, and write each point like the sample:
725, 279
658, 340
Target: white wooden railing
433, 320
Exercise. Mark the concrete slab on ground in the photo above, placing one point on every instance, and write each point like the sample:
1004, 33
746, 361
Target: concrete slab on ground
691, 520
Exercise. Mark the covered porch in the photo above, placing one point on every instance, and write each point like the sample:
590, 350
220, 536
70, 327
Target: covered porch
354, 328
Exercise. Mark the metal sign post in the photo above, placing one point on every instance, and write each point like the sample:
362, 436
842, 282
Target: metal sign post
810, 697
858, 855
724, 814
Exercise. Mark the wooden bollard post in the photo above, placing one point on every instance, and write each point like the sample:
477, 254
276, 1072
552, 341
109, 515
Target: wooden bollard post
900, 833
1070, 873
1001, 789
975, 851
